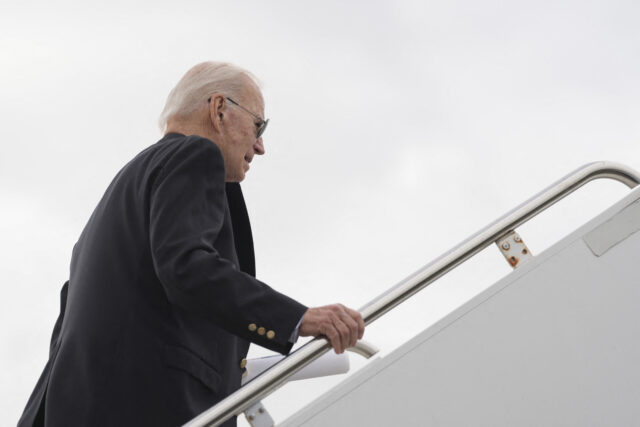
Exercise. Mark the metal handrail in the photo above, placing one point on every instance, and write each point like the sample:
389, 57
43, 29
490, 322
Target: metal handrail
364, 349
277, 375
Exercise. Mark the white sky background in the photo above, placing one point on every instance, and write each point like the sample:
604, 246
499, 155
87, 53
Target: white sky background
397, 130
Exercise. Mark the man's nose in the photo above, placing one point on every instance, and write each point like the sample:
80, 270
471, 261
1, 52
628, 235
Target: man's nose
258, 147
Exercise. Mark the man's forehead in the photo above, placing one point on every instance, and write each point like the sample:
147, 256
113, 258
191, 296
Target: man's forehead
253, 95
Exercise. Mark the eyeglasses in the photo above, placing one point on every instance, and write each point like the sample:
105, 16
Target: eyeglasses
261, 125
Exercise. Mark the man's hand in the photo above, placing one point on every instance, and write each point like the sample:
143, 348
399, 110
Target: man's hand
342, 326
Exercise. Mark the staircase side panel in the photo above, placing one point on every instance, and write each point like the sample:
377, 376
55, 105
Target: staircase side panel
555, 343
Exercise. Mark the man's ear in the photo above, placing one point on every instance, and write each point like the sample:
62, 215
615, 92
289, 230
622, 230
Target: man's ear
217, 110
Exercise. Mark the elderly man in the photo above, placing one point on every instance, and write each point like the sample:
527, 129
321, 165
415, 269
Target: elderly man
161, 302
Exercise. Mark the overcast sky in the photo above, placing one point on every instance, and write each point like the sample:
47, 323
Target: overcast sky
397, 130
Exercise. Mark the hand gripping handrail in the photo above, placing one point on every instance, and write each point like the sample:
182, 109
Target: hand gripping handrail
277, 375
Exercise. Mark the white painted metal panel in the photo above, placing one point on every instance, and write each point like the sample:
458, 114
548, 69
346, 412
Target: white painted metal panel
555, 343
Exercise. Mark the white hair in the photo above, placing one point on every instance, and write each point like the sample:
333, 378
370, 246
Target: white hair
201, 81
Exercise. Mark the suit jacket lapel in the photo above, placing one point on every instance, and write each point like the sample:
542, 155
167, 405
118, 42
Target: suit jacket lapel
242, 236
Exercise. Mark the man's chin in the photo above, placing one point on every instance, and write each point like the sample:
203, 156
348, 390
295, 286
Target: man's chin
236, 178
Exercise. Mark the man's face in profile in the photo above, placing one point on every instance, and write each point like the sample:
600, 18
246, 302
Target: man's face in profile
245, 117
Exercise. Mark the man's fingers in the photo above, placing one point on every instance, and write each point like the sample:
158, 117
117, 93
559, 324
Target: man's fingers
342, 326
345, 334
338, 341
359, 320
352, 327
332, 334
353, 321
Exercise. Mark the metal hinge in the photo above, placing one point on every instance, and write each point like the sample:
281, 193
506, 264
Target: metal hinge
258, 416
513, 249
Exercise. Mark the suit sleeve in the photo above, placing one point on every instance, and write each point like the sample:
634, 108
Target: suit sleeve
187, 213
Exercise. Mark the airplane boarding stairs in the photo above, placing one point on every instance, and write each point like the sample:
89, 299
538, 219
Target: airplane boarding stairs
554, 343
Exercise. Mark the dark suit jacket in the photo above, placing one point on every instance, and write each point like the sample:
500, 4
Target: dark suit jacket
161, 302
